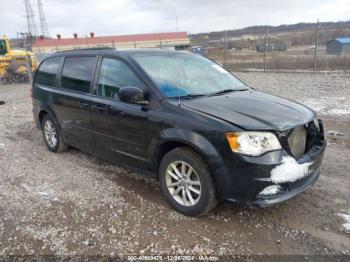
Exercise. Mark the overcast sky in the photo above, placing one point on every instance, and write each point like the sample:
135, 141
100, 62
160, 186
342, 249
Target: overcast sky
113, 17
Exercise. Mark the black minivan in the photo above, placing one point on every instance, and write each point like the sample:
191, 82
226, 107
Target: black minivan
183, 119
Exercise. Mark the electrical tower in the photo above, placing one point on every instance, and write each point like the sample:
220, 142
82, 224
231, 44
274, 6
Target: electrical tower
32, 28
43, 24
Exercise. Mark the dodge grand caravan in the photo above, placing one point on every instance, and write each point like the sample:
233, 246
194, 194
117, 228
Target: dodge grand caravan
203, 133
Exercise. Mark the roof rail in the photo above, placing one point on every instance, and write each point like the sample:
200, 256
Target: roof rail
87, 49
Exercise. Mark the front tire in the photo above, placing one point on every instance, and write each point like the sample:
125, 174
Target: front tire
52, 136
186, 182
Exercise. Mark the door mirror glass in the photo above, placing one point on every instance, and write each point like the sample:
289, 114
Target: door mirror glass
132, 95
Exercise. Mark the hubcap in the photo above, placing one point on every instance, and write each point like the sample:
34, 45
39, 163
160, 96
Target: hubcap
183, 183
50, 133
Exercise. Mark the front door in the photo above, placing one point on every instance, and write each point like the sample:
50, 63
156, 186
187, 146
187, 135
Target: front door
120, 129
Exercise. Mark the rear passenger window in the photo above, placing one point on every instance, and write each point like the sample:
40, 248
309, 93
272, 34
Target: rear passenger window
77, 73
115, 74
46, 74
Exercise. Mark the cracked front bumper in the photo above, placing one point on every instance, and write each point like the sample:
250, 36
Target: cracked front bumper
287, 192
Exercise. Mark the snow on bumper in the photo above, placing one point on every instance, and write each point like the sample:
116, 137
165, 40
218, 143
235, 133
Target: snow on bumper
289, 170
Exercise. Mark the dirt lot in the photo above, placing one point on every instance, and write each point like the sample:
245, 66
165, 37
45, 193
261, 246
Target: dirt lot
76, 204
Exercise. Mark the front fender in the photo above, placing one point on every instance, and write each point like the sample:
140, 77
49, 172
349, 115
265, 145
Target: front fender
195, 141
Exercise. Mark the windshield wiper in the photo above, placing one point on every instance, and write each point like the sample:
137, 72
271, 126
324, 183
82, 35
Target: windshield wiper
225, 91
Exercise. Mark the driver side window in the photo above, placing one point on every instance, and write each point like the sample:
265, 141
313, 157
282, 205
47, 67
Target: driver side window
115, 74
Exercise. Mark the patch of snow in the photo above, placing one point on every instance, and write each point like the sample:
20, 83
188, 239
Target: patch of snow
338, 111
43, 194
47, 196
2, 146
270, 190
330, 105
335, 133
346, 218
289, 170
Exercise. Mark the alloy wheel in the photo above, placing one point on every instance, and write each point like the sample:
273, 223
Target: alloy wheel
50, 133
183, 183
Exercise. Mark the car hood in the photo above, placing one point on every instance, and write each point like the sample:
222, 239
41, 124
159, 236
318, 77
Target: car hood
253, 110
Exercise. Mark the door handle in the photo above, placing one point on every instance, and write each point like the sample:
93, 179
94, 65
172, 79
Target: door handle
83, 104
99, 108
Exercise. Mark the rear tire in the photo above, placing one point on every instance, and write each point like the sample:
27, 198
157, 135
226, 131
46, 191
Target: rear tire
186, 182
52, 135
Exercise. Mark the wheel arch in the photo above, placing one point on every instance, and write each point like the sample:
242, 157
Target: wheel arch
42, 114
172, 138
45, 110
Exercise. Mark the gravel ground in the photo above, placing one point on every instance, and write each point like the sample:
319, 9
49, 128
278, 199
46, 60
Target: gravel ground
76, 204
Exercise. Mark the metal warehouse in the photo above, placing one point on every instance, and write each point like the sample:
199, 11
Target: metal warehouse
172, 40
339, 46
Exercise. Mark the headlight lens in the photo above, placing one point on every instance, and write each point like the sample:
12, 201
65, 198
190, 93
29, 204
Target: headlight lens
252, 143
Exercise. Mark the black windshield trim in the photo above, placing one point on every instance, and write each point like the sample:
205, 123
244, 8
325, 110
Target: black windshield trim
189, 96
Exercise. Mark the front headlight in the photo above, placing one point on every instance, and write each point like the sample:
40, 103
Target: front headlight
252, 143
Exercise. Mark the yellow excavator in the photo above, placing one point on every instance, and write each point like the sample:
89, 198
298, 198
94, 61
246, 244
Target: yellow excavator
16, 66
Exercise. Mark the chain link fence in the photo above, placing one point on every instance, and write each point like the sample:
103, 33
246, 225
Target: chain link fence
284, 51
291, 60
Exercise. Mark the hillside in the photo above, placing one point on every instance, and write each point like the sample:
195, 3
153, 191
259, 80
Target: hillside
340, 28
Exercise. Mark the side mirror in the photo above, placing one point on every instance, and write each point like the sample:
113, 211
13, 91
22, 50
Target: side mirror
132, 95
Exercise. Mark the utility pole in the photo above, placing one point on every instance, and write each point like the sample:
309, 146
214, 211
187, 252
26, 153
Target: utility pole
225, 48
316, 45
87, 41
43, 24
177, 25
30, 73
265, 49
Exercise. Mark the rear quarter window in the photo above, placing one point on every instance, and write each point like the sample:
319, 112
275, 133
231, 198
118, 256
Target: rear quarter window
77, 73
47, 72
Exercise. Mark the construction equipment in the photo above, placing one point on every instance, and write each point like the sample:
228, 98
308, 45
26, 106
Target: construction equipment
16, 66
43, 24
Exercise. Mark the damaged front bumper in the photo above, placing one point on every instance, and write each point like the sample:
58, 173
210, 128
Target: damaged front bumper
287, 191
269, 182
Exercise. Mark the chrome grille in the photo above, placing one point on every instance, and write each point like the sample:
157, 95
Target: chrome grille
297, 141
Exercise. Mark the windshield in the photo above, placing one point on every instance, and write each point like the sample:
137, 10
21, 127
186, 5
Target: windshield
186, 74
3, 50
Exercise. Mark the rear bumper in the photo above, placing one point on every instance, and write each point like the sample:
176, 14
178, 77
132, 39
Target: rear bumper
254, 175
